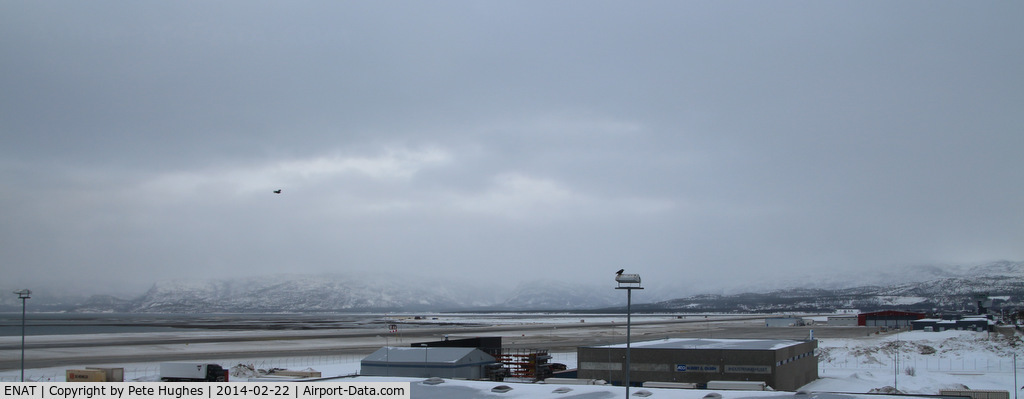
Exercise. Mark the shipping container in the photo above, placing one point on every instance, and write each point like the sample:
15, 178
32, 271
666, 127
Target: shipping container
113, 374
85, 376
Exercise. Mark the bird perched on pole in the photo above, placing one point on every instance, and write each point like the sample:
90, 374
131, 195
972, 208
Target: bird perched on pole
619, 273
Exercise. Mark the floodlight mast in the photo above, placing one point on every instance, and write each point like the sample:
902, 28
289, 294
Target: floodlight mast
23, 294
628, 282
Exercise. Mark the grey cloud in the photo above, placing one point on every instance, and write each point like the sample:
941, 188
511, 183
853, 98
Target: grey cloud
691, 141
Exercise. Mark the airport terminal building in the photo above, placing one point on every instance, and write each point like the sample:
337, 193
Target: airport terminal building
782, 364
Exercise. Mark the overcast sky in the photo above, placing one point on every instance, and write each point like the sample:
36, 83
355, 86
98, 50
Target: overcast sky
506, 141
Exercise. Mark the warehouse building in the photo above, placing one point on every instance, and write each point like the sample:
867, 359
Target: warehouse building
465, 363
490, 345
782, 364
888, 318
977, 323
849, 320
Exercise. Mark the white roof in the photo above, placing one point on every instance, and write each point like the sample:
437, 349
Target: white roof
704, 343
425, 355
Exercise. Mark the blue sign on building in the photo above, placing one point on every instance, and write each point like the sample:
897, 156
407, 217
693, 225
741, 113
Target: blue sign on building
696, 368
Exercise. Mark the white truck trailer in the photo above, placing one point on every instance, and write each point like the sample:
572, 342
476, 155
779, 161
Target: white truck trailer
192, 372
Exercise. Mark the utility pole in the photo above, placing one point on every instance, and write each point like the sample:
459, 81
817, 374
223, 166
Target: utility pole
628, 282
23, 295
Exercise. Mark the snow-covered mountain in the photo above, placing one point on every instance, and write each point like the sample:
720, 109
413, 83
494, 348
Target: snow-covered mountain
554, 295
329, 293
320, 293
914, 287
937, 288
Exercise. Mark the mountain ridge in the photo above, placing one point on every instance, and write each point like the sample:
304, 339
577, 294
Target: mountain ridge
939, 288
956, 290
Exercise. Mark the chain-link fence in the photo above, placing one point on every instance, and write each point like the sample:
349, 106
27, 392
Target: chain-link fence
925, 363
346, 364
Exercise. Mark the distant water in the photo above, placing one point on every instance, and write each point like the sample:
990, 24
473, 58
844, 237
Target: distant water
105, 323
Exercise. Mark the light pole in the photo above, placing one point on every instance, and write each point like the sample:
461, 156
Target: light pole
387, 355
628, 282
23, 295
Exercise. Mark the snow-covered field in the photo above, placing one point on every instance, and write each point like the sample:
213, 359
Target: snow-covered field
927, 362
919, 362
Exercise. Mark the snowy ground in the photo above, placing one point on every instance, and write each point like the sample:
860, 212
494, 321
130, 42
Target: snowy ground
928, 362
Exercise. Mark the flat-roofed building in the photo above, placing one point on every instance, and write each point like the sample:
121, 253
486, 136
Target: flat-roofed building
888, 318
490, 345
975, 323
843, 320
782, 364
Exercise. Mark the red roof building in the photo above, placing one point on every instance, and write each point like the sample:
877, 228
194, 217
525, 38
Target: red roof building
888, 318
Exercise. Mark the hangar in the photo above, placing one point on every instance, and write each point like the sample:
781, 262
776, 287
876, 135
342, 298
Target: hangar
782, 364
465, 363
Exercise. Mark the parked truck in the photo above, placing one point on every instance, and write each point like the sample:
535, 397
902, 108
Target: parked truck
192, 372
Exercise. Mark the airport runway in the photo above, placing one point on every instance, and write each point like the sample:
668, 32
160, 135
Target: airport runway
64, 350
